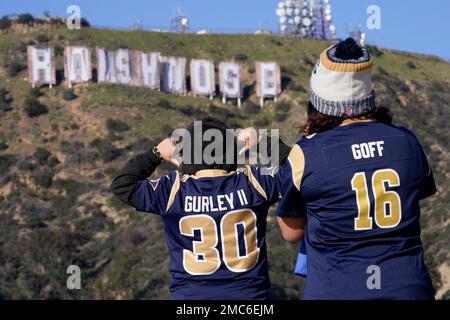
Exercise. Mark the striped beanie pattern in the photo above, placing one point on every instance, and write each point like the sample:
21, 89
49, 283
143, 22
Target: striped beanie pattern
341, 83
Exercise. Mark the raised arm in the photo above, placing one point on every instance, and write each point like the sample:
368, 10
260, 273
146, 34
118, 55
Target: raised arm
249, 137
140, 168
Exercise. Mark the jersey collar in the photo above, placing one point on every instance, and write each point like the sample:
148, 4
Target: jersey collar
208, 173
347, 122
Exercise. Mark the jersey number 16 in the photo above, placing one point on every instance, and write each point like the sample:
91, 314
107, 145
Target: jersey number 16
382, 199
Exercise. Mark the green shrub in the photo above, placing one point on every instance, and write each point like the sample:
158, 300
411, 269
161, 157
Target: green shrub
42, 38
69, 95
59, 50
116, 125
240, 56
3, 146
112, 171
25, 165
52, 161
141, 144
14, 66
411, 65
106, 150
35, 92
283, 106
43, 177
33, 108
72, 188
296, 87
437, 86
5, 100
164, 104
69, 185
261, 122
56, 22
22, 46
5, 23
34, 222
276, 42
42, 155
6, 161
251, 108
25, 18
85, 23
74, 126
280, 116
374, 51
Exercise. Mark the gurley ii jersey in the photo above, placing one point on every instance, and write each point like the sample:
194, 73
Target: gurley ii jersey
214, 224
359, 186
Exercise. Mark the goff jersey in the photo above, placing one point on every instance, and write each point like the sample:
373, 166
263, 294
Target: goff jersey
214, 224
359, 186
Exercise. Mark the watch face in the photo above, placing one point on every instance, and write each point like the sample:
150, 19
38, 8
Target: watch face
156, 152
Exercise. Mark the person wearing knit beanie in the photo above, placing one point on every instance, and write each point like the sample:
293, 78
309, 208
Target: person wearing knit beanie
357, 181
341, 82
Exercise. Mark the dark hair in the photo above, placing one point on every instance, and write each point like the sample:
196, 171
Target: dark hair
318, 122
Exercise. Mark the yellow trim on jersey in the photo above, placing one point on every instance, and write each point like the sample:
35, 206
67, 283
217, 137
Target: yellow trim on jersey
248, 172
208, 173
346, 122
297, 161
174, 190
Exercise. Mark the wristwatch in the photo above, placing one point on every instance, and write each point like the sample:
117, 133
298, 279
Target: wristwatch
156, 152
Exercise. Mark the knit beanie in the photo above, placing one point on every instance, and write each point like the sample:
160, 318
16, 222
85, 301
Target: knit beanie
341, 83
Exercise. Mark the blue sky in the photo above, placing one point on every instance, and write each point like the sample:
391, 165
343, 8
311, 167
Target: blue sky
410, 25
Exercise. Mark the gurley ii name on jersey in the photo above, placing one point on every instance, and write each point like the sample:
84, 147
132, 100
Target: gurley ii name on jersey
216, 203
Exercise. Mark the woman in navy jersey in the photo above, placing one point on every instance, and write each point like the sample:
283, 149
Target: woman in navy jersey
358, 180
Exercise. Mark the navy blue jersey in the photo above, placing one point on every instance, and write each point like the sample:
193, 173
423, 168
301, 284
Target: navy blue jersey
214, 224
359, 186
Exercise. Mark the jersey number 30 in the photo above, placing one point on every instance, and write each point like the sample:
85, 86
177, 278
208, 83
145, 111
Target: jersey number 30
204, 258
383, 218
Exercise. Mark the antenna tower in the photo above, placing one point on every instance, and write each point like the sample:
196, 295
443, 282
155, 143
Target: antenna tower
306, 19
179, 23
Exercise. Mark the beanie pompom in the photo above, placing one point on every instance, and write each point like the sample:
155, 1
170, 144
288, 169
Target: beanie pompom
348, 50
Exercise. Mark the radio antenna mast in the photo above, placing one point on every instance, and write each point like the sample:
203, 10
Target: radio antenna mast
179, 23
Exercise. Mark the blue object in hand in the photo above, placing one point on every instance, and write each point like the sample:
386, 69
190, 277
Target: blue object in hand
301, 265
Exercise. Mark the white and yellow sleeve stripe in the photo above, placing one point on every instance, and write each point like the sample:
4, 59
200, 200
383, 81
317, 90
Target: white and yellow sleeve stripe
297, 162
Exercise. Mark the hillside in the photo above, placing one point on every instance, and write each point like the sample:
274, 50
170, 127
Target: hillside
55, 205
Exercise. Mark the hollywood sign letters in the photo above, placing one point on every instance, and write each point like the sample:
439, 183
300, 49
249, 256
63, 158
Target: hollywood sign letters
77, 65
41, 66
151, 70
